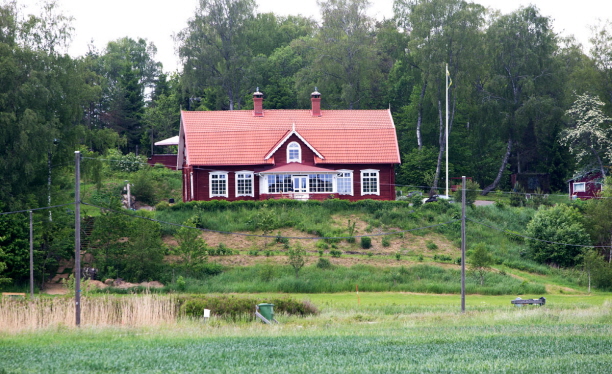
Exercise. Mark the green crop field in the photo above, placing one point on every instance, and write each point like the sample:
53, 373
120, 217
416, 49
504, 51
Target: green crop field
379, 332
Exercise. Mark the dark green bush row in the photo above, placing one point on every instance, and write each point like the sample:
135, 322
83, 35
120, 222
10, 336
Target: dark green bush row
334, 205
233, 308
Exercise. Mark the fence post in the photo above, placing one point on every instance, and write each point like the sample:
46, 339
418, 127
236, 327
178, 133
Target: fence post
77, 237
32, 257
463, 244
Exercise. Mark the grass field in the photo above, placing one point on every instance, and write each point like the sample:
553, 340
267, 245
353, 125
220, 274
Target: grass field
426, 333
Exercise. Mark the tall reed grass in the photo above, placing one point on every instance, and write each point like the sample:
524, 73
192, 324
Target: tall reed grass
134, 311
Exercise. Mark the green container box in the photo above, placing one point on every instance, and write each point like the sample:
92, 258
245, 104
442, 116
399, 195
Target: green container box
267, 310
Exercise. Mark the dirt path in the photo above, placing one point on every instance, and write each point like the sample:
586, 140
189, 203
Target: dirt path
55, 289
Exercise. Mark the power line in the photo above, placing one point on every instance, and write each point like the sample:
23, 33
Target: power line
34, 209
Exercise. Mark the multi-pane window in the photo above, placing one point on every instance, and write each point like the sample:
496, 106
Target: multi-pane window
369, 182
294, 152
321, 183
244, 183
280, 183
345, 182
579, 187
218, 184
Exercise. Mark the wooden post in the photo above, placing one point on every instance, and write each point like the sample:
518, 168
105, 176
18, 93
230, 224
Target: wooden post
77, 237
31, 257
463, 244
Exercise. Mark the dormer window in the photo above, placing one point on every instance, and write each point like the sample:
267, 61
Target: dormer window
294, 152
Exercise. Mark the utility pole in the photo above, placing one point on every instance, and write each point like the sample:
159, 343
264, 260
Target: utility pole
31, 257
463, 244
77, 237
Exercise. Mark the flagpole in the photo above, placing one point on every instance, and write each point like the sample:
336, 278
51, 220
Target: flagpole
446, 137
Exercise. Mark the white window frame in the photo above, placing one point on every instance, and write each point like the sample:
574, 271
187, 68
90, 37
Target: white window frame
377, 175
314, 181
582, 184
344, 177
299, 149
250, 177
211, 175
285, 184
191, 192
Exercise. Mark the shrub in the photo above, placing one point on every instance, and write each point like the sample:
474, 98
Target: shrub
127, 163
296, 258
335, 253
560, 224
324, 263
386, 241
431, 245
143, 186
398, 256
471, 192
366, 242
322, 245
442, 258
221, 250
280, 240
234, 308
180, 283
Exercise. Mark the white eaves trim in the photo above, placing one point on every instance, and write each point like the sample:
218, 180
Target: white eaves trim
293, 132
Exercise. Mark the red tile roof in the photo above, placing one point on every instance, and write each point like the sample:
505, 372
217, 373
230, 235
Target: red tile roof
239, 138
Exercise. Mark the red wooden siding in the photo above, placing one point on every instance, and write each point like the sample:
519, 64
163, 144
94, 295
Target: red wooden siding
201, 175
168, 161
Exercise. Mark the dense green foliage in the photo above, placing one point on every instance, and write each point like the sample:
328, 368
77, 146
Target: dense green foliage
331, 279
235, 308
552, 226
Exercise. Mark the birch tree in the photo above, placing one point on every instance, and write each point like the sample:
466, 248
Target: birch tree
590, 137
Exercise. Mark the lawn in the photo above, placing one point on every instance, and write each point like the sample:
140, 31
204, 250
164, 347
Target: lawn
570, 334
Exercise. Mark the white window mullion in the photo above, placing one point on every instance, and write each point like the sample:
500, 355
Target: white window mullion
245, 183
370, 182
217, 185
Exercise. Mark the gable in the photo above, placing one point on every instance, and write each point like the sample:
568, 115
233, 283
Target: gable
285, 139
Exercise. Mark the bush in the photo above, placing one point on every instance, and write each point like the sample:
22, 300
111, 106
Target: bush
143, 186
324, 263
280, 240
234, 308
127, 163
559, 224
366, 242
221, 250
431, 245
386, 241
335, 253
471, 193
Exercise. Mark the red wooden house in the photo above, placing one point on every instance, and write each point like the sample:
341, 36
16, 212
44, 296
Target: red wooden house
301, 154
585, 186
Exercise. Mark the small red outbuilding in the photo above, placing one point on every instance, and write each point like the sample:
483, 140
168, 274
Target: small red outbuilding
586, 185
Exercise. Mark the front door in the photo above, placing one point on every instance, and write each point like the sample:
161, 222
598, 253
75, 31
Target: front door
300, 184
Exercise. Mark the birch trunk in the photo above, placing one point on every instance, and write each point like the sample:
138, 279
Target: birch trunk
495, 183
